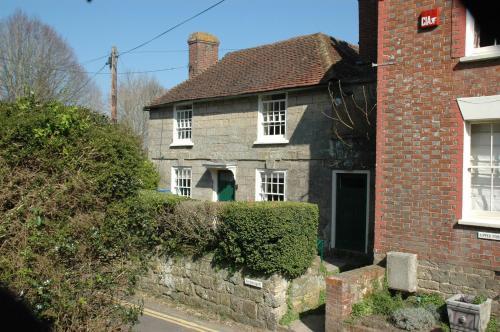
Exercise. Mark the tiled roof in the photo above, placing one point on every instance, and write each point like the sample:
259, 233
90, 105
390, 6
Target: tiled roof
298, 62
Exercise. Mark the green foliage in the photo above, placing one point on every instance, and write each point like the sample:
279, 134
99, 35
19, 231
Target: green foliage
74, 230
324, 271
379, 302
290, 315
268, 237
191, 228
493, 325
444, 327
361, 309
478, 299
322, 297
432, 302
412, 319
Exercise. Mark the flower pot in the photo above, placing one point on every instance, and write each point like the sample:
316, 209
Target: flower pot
466, 316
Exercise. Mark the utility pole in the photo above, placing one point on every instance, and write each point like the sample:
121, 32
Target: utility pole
112, 65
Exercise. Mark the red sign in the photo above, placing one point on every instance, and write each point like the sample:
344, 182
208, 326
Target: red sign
430, 18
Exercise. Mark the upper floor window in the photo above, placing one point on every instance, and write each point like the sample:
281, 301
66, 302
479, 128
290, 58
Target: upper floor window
479, 41
183, 123
272, 119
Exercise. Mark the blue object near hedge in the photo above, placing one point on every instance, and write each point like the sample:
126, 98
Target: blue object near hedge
163, 190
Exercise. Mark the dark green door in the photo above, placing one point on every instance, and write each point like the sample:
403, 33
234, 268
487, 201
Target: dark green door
350, 220
225, 186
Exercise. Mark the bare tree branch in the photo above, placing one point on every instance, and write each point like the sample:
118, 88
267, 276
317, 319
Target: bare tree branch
135, 92
34, 58
352, 117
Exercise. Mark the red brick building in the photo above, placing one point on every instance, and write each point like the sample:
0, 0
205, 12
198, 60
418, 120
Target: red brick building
438, 144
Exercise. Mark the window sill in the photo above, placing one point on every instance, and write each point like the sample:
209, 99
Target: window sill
271, 142
181, 144
480, 57
480, 222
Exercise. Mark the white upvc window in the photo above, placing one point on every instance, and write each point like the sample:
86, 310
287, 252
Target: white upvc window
479, 43
271, 128
183, 125
270, 185
181, 181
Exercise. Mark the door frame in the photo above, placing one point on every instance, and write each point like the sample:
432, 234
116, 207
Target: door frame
334, 203
216, 184
214, 172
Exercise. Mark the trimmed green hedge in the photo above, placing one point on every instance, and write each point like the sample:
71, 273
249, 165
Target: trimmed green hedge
268, 237
260, 237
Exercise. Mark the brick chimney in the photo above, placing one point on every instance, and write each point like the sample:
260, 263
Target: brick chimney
203, 52
368, 23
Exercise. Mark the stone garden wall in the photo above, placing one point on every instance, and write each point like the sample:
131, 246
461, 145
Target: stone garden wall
196, 282
449, 279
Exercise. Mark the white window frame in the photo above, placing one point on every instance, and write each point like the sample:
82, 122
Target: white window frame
258, 183
469, 216
178, 141
173, 180
476, 53
271, 139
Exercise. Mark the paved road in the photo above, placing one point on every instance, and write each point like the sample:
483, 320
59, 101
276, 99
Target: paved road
159, 317
154, 321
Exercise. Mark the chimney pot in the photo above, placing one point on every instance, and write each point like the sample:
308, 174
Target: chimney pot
203, 52
368, 23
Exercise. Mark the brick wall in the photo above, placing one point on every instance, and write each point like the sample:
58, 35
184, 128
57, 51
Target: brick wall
203, 52
420, 144
346, 289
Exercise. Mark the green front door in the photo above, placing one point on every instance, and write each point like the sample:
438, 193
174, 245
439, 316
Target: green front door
225, 186
350, 220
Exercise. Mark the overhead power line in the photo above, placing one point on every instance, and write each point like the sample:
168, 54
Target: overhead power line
95, 59
99, 72
172, 28
89, 79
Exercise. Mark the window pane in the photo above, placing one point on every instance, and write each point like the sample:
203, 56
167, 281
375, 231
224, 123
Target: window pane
496, 144
495, 204
481, 189
480, 144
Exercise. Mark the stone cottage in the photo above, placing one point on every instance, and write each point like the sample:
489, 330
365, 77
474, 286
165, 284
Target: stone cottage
438, 142
259, 125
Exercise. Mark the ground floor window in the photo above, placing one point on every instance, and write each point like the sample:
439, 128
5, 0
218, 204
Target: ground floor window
271, 185
181, 181
484, 166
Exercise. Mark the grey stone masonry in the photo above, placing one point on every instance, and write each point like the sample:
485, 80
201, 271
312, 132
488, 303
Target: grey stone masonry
225, 131
197, 283
450, 280
402, 271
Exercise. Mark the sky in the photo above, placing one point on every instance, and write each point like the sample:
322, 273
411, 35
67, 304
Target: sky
91, 29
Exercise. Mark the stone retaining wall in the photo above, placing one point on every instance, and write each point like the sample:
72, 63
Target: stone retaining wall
449, 280
197, 283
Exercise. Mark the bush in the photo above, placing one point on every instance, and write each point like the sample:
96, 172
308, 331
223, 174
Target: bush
190, 229
379, 302
432, 302
73, 236
268, 237
412, 319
